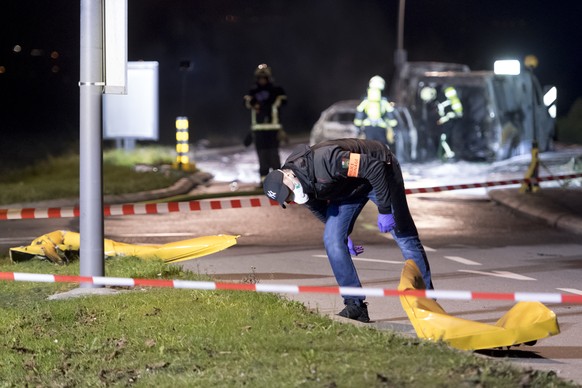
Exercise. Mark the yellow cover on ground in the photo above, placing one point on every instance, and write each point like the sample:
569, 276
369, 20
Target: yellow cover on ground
58, 245
524, 322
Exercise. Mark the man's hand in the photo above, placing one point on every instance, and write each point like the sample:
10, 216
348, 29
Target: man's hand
355, 250
386, 223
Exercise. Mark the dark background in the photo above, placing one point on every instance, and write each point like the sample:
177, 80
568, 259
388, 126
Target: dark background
321, 51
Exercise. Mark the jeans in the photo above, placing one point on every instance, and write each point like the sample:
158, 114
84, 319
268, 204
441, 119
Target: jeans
340, 220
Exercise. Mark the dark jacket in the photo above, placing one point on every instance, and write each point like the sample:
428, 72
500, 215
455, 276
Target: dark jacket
265, 96
342, 170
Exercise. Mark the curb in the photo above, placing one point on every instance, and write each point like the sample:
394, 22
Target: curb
553, 214
182, 186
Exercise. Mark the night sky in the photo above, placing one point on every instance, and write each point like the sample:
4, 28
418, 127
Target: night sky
321, 51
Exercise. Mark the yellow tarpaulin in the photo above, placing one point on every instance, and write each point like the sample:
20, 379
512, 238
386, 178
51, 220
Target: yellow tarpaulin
59, 245
524, 322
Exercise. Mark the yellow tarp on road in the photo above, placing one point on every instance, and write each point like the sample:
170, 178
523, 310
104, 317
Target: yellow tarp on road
59, 245
524, 322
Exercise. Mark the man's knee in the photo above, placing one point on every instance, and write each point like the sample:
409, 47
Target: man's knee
333, 244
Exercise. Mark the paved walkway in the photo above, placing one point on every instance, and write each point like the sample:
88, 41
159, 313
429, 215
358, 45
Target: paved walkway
559, 207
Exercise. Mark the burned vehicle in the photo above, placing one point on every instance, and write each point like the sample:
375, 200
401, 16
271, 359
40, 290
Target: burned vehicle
337, 121
461, 114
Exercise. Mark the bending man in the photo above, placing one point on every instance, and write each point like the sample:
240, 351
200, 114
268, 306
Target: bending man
335, 179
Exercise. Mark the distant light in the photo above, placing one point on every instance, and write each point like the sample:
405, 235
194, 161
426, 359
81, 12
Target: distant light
36, 52
17, 48
550, 96
507, 67
54, 54
55, 69
2, 70
552, 111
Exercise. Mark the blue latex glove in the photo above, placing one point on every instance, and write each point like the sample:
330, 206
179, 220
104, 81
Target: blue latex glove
386, 222
355, 250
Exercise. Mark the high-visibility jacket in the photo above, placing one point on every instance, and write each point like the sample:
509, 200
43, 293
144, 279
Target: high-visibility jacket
374, 112
451, 107
264, 102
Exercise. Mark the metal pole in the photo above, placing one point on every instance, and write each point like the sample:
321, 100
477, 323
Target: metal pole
91, 148
400, 53
400, 45
533, 104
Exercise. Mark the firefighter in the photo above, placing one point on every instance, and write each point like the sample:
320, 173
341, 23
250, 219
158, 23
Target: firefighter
375, 115
335, 179
450, 107
264, 101
450, 111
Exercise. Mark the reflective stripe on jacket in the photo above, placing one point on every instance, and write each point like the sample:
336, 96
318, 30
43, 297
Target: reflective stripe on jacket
375, 114
451, 108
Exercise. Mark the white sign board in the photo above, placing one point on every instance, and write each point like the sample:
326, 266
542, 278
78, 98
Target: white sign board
115, 46
134, 115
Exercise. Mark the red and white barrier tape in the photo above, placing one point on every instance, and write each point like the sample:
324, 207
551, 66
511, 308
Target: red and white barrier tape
139, 208
204, 205
437, 189
291, 289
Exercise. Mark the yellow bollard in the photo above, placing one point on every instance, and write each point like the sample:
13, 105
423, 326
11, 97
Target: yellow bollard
182, 145
532, 171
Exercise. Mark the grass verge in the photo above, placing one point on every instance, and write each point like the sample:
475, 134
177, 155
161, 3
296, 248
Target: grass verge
189, 338
58, 177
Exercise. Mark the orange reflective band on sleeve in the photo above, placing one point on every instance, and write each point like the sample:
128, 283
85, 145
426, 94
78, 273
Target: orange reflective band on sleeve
354, 165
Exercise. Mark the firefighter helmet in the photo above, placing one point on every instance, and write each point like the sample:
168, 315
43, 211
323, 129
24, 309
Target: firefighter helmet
531, 61
263, 70
427, 94
377, 82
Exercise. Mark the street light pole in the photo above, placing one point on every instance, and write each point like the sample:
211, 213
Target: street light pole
400, 53
91, 148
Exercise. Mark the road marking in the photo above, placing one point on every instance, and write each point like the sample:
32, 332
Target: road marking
571, 290
371, 260
325, 256
169, 234
501, 274
462, 260
377, 260
389, 235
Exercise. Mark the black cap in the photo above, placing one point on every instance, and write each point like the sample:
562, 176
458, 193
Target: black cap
275, 188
